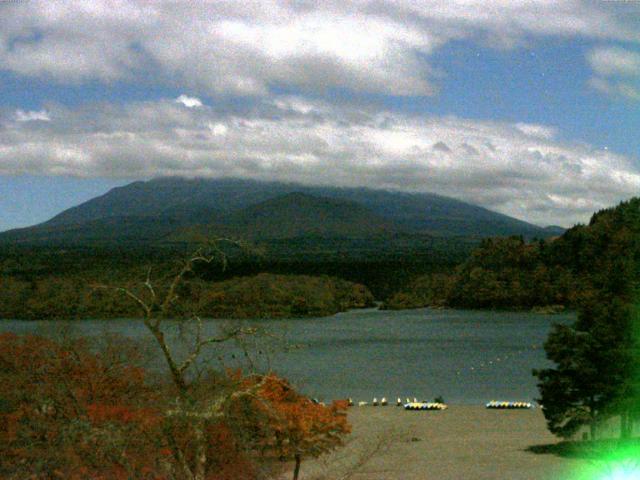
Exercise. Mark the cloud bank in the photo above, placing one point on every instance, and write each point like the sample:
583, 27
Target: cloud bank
249, 47
617, 72
519, 169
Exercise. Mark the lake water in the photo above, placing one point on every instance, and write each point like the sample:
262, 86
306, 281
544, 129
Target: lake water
466, 356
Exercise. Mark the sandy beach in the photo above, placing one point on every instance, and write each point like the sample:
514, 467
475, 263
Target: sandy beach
462, 442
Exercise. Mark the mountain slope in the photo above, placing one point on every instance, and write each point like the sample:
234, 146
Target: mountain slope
152, 210
299, 214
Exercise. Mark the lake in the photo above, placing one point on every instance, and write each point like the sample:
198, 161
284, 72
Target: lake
468, 357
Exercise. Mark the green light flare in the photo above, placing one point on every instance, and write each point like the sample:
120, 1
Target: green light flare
623, 463
624, 473
626, 470
620, 459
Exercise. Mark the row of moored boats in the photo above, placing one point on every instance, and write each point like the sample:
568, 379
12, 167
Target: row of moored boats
424, 405
508, 405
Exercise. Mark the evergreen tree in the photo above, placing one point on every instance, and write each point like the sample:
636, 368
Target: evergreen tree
597, 359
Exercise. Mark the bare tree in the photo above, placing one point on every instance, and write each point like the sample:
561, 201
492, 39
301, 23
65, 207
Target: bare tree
271, 404
158, 306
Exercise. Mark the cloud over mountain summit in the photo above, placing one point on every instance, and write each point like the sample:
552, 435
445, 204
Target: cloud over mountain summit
326, 93
518, 169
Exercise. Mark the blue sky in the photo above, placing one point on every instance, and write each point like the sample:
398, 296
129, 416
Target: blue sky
28, 199
530, 108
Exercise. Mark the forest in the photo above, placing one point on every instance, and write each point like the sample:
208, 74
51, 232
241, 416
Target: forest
62, 281
259, 296
502, 273
40, 282
508, 272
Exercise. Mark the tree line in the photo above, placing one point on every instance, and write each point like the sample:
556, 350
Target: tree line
258, 296
41, 282
508, 273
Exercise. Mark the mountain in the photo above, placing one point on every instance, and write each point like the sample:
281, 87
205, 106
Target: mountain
164, 209
299, 214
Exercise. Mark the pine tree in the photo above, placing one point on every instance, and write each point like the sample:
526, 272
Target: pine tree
597, 358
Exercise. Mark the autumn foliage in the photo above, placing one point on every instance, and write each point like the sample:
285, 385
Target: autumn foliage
297, 425
67, 412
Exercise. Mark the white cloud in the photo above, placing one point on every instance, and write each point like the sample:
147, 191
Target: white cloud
32, 116
218, 129
247, 47
537, 131
189, 102
611, 61
615, 88
518, 170
617, 72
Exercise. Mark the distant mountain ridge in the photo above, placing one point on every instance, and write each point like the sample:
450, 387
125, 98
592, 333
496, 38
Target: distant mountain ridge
150, 211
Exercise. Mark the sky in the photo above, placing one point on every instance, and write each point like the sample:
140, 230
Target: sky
527, 107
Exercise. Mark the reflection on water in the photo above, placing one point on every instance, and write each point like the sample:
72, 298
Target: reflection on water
465, 356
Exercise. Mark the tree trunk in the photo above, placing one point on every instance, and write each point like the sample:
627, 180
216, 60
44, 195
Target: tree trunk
592, 428
296, 470
592, 423
625, 431
182, 472
200, 452
177, 376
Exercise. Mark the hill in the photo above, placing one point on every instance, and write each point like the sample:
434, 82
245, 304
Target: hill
549, 275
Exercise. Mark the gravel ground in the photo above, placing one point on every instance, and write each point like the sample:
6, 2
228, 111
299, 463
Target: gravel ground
462, 442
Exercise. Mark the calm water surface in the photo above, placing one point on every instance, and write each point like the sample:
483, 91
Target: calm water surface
465, 356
